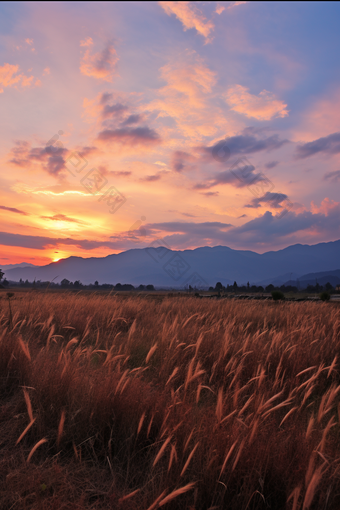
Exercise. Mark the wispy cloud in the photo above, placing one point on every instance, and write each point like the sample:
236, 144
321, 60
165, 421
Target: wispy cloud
101, 65
265, 106
328, 145
190, 16
63, 217
13, 210
332, 176
9, 77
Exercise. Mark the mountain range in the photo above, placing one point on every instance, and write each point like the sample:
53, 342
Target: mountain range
201, 267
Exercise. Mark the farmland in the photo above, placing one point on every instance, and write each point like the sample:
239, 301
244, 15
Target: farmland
156, 401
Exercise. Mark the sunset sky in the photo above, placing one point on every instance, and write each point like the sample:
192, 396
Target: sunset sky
193, 124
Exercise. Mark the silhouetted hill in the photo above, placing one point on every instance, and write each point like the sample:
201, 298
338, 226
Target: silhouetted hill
169, 268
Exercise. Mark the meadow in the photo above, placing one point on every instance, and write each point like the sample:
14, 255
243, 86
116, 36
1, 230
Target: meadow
148, 401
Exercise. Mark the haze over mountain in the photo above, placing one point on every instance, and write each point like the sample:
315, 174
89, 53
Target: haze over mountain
201, 267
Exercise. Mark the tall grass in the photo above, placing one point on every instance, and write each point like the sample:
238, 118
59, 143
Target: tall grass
142, 403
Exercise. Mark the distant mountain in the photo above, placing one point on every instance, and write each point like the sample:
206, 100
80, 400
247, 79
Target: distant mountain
323, 277
14, 266
201, 267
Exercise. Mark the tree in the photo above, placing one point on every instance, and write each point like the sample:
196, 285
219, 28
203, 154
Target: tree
328, 286
96, 283
77, 284
150, 287
218, 286
141, 287
324, 296
5, 282
1, 274
269, 288
277, 295
248, 285
65, 282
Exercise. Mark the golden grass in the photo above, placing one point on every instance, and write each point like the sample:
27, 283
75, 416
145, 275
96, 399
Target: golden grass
143, 399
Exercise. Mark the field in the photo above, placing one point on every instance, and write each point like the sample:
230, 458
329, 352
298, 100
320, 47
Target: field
146, 402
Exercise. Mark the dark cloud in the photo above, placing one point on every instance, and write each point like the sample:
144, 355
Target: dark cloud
51, 157
242, 144
62, 217
106, 97
14, 210
151, 178
241, 175
132, 119
271, 164
40, 243
332, 176
87, 151
120, 174
329, 145
179, 160
210, 193
130, 136
115, 110
273, 199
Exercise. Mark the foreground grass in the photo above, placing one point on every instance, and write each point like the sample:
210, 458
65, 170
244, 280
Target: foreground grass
141, 403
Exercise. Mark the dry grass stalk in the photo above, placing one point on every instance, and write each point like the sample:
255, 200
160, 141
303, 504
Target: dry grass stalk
28, 404
189, 459
25, 431
176, 493
24, 348
61, 426
161, 451
35, 447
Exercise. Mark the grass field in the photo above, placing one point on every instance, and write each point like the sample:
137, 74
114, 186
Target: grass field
146, 402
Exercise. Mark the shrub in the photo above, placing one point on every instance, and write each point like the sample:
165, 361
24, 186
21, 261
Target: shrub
324, 296
277, 295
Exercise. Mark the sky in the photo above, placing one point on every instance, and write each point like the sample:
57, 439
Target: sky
183, 124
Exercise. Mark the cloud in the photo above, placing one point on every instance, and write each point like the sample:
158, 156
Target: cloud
151, 178
271, 164
115, 110
328, 145
142, 135
240, 176
235, 4
187, 98
52, 158
190, 16
132, 119
273, 199
180, 159
86, 42
62, 217
262, 107
14, 210
9, 77
219, 9
241, 144
40, 242
332, 176
101, 65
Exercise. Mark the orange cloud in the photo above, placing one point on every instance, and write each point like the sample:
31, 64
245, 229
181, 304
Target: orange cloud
190, 16
101, 65
87, 42
235, 4
219, 9
262, 107
326, 206
9, 77
188, 98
